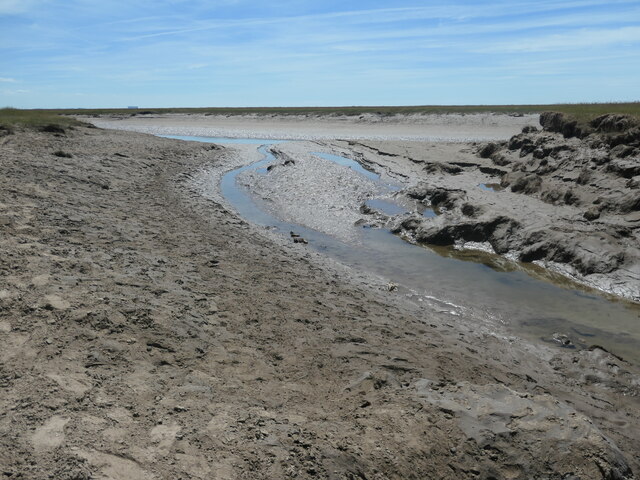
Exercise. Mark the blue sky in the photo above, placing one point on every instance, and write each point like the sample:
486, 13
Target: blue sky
164, 53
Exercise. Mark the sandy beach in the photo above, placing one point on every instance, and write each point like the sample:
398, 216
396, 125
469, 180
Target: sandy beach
147, 331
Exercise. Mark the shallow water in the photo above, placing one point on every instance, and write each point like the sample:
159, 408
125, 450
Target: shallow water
491, 187
355, 166
347, 162
386, 206
529, 300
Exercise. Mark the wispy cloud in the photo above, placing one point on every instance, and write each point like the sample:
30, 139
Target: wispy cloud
237, 50
577, 40
460, 14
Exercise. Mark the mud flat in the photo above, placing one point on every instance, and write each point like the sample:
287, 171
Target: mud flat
147, 331
441, 127
315, 190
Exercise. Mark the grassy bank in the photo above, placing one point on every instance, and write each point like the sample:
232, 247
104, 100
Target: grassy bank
582, 111
11, 118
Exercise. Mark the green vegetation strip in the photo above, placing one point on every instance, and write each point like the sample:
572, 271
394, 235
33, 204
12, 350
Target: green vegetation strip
11, 118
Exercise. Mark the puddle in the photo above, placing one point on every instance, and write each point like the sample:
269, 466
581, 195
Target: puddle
491, 187
529, 300
429, 213
385, 206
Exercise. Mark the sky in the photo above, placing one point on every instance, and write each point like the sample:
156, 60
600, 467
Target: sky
234, 53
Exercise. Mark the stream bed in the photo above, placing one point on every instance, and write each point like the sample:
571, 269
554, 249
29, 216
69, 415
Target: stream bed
527, 300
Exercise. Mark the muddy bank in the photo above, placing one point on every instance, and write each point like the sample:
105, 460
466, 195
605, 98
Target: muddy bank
305, 187
568, 201
148, 332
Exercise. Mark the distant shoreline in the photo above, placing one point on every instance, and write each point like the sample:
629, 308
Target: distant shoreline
453, 127
582, 111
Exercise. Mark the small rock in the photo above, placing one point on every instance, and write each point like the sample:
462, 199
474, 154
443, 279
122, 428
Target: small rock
592, 214
563, 340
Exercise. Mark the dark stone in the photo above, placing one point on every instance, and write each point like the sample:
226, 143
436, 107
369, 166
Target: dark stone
467, 231
552, 196
492, 171
408, 224
561, 148
570, 198
418, 192
552, 121
471, 210
366, 210
529, 129
526, 149
631, 136
517, 141
442, 167
488, 149
500, 159
441, 197
601, 160
6, 130
563, 340
627, 168
592, 214
622, 151
541, 152
62, 154
522, 182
